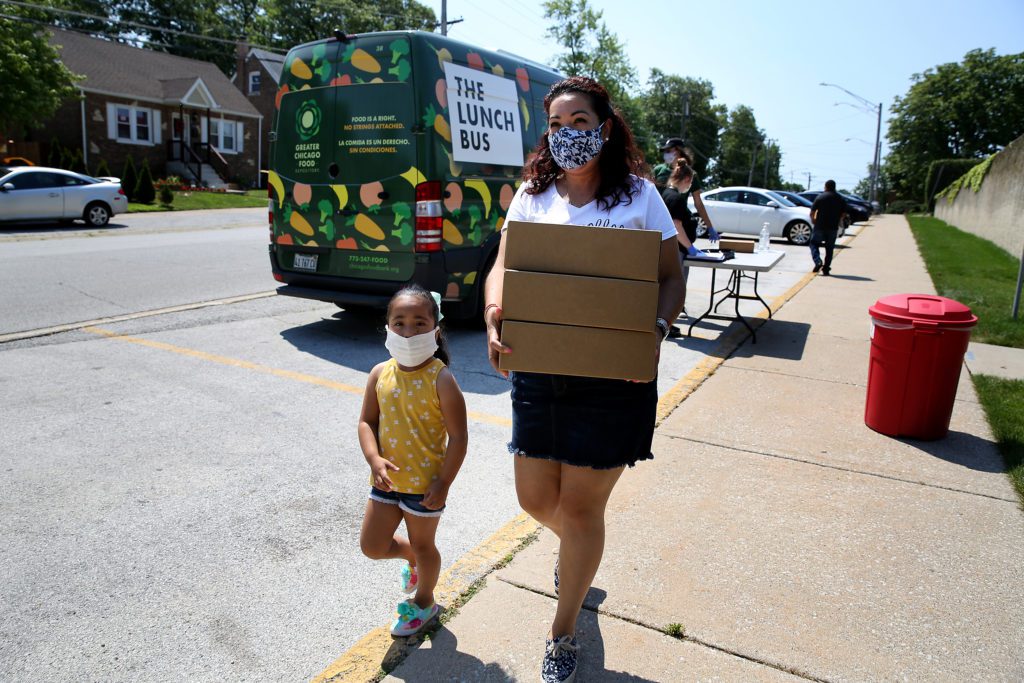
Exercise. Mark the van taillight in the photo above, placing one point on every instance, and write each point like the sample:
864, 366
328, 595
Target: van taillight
428, 216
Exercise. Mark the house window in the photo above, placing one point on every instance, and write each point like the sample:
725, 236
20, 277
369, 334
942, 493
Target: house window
124, 123
224, 135
132, 124
254, 83
142, 124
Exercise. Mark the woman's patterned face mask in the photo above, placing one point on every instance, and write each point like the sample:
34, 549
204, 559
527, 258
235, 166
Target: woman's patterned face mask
571, 148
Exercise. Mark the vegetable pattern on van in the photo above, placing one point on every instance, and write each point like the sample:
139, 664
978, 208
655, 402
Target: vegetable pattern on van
380, 151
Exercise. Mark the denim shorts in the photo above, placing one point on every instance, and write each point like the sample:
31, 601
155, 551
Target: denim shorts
406, 502
582, 421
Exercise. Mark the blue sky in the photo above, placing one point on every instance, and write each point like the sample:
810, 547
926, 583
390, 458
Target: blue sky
771, 56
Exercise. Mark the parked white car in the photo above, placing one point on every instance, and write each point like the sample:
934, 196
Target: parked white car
37, 193
744, 210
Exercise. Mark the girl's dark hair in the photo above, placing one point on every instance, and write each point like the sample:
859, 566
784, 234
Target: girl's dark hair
620, 157
416, 290
680, 171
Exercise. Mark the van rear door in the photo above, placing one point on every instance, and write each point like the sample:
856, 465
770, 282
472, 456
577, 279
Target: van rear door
361, 167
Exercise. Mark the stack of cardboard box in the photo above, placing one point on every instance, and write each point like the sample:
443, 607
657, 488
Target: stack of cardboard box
580, 300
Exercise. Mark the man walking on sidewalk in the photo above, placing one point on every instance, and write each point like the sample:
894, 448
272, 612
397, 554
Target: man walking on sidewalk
826, 213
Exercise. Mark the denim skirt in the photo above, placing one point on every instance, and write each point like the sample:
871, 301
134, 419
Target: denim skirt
583, 421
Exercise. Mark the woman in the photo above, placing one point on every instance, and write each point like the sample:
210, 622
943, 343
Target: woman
677, 189
573, 436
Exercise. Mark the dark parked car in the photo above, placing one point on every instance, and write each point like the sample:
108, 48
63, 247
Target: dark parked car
859, 211
795, 198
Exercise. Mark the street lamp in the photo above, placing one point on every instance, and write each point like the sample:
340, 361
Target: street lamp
870, 107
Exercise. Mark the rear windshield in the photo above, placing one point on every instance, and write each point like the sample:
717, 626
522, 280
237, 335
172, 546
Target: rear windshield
374, 125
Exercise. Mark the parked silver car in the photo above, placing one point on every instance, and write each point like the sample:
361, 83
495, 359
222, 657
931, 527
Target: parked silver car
37, 193
744, 210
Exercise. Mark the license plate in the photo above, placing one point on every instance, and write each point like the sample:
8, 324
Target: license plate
305, 262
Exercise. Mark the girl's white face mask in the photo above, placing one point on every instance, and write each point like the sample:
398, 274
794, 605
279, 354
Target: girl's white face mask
669, 157
411, 351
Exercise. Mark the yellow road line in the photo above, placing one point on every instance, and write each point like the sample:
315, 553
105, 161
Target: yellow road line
378, 650
267, 370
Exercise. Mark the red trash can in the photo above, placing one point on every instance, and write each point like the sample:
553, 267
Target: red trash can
918, 342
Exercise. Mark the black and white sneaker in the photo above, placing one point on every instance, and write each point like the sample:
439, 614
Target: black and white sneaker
560, 657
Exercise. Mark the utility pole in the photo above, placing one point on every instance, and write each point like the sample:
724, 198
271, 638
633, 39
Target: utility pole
808, 181
878, 158
753, 159
767, 152
686, 115
444, 17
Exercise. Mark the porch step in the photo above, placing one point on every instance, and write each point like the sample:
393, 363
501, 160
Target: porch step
209, 174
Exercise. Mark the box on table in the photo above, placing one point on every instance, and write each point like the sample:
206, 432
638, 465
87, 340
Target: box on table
581, 351
580, 300
738, 246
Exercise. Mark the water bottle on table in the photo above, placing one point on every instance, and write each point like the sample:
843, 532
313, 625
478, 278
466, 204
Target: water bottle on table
765, 243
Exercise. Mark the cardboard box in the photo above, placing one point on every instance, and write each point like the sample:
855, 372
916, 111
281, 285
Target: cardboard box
739, 246
581, 351
580, 300
583, 250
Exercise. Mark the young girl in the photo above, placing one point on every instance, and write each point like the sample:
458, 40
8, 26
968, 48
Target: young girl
411, 404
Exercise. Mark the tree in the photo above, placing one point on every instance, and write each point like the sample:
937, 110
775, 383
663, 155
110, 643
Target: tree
592, 50
129, 178
290, 22
964, 110
663, 106
741, 148
35, 81
144, 193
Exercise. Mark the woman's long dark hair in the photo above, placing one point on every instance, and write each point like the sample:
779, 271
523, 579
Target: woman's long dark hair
416, 290
620, 157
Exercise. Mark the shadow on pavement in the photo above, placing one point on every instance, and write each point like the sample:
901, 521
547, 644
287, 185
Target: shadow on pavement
51, 227
783, 339
857, 278
355, 339
963, 449
444, 647
592, 652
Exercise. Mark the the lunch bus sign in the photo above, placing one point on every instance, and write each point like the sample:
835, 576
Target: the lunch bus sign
484, 113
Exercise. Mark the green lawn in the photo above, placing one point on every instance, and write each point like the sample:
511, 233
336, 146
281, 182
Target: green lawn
976, 273
1003, 400
979, 274
186, 201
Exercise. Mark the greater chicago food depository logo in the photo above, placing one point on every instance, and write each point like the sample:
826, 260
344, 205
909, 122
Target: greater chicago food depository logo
307, 122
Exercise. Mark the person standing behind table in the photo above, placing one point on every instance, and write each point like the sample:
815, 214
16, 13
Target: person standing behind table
675, 193
674, 150
572, 437
826, 213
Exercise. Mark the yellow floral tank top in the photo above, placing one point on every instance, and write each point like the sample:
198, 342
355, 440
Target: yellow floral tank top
411, 431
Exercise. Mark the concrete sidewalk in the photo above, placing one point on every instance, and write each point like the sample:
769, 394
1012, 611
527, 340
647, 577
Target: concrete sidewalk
790, 541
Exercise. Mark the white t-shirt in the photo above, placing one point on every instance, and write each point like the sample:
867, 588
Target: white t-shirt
647, 210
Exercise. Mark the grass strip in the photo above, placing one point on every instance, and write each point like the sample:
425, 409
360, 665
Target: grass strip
1003, 400
190, 201
975, 272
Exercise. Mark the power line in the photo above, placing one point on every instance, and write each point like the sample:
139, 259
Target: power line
125, 22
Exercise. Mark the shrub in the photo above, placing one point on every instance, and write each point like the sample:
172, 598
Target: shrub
77, 163
905, 206
129, 178
941, 173
145, 193
56, 152
166, 195
102, 169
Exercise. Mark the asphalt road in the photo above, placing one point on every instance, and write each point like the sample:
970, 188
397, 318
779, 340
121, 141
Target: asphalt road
182, 493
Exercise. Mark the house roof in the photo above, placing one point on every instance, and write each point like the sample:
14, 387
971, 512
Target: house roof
123, 71
272, 62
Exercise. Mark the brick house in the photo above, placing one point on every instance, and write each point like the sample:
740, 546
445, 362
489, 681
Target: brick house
181, 114
260, 74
